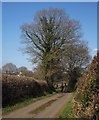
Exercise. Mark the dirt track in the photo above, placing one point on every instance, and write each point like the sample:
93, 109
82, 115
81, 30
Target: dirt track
45, 108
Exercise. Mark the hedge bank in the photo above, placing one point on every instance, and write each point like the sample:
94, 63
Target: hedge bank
16, 89
87, 98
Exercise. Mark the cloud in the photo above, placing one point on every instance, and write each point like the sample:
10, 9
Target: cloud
94, 50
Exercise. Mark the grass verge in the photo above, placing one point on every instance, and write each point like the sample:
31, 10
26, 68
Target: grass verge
66, 113
9, 109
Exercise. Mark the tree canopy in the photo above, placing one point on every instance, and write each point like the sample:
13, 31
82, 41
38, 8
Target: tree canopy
53, 38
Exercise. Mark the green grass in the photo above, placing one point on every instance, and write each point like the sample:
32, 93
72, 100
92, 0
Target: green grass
66, 113
18, 105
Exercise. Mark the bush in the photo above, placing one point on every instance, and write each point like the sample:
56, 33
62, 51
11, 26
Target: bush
15, 89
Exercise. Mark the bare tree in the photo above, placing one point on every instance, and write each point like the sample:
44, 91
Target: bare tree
75, 58
22, 68
23, 71
50, 30
75, 55
9, 68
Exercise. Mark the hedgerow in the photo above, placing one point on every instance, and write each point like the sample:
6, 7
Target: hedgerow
87, 98
16, 89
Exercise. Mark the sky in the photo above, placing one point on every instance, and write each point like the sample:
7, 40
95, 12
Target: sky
50, 0
15, 14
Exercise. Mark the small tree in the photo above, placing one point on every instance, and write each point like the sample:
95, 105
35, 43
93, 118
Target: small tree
44, 38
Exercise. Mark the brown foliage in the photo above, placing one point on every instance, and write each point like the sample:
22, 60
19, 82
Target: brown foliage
15, 89
87, 98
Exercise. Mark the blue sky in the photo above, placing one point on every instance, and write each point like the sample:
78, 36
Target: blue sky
17, 13
50, 0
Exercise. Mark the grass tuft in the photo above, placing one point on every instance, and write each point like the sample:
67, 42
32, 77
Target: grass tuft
67, 112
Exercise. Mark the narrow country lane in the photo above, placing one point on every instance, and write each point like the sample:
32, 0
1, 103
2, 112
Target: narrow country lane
45, 108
